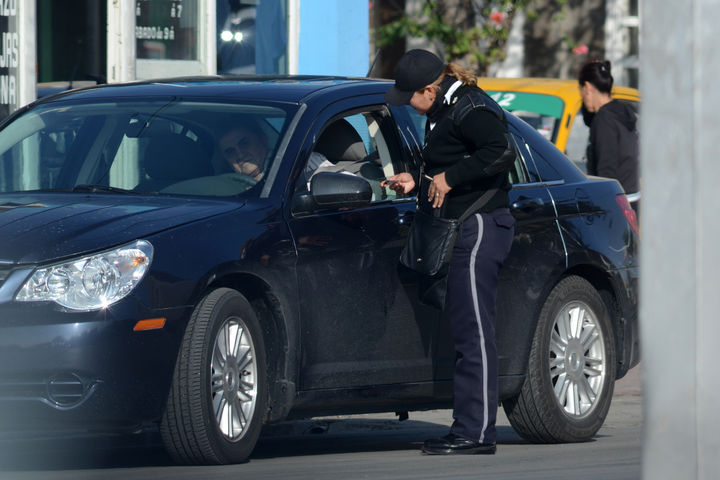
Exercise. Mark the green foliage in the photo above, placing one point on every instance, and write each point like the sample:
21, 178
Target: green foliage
481, 44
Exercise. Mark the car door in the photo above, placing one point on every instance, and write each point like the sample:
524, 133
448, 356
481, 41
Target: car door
537, 258
358, 319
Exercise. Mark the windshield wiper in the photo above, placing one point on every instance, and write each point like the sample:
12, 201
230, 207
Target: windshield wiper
99, 189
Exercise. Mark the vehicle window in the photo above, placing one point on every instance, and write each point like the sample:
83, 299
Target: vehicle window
418, 123
538, 167
577, 142
359, 144
165, 146
45, 153
517, 172
542, 112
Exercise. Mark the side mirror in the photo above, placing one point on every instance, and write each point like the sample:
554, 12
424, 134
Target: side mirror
330, 190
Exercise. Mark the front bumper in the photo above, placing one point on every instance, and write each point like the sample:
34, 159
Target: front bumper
86, 370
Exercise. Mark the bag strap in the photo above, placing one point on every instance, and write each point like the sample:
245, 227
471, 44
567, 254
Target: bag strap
477, 204
480, 202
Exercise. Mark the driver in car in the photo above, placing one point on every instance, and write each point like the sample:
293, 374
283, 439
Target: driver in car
245, 148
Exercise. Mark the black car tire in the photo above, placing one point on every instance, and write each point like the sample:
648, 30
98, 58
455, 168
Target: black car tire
540, 413
202, 381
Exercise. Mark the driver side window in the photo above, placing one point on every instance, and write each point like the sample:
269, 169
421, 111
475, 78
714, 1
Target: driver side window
353, 144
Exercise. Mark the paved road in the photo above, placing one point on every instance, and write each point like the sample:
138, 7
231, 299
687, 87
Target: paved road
356, 447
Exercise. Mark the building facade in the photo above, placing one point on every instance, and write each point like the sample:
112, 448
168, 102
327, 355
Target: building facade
56, 44
556, 40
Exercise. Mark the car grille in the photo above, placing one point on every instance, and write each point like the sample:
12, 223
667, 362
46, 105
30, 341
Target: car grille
65, 390
62, 390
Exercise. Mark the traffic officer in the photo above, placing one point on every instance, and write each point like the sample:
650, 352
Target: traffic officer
467, 153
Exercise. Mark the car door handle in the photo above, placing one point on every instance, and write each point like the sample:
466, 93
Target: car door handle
528, 205
405, 219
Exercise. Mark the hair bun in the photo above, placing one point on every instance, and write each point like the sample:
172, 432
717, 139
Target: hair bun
597, 73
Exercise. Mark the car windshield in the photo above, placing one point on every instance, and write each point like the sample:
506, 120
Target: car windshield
159, 146
542, 112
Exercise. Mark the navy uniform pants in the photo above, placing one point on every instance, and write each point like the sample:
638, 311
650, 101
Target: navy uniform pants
482, 244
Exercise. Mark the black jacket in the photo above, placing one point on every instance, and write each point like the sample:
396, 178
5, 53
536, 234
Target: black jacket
468, 138
612, 149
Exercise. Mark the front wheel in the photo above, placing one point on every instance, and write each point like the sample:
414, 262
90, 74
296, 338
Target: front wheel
218, 397
571, 370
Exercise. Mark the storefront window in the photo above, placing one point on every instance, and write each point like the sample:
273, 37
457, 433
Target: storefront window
166, 29
252, 36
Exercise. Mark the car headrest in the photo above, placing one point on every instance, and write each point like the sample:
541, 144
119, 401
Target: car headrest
341, 142
175, 157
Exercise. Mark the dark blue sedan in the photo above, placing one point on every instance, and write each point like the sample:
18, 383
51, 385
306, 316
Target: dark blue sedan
210, 255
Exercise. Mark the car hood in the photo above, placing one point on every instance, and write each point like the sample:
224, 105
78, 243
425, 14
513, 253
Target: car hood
38, 228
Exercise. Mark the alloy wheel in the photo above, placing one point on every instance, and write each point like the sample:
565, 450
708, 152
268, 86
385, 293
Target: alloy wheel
577, 359
233, 378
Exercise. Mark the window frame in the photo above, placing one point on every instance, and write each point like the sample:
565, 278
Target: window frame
382, 117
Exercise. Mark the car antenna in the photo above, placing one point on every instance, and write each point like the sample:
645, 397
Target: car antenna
372, 65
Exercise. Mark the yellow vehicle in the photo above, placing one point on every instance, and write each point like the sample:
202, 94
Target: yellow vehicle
552, 107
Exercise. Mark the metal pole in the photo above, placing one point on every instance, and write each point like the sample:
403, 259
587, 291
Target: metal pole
680, 65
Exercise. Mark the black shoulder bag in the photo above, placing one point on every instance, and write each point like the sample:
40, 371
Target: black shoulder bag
429, 247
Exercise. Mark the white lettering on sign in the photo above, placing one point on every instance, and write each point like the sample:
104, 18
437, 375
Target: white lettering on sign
503, 99
8, 8
155, 33
9, 53
176, 10
9, 58
8, 90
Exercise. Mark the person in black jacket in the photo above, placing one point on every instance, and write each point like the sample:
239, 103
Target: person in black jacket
465, 155
612, 149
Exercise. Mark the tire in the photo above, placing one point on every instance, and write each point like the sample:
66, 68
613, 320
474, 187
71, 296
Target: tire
571, 369
214, 375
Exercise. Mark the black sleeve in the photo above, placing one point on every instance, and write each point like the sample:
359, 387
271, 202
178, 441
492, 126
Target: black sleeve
484, 134
606, 146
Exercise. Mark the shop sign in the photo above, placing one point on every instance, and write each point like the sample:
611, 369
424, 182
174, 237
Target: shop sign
9, 57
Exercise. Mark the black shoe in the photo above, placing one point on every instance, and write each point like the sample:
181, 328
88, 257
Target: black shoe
452, 444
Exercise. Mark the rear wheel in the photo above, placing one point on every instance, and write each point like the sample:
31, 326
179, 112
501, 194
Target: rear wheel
218, 397
571, 371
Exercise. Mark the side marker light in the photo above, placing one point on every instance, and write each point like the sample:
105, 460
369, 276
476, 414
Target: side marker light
149, 324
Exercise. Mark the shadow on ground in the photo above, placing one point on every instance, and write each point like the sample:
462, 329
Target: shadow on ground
329, 436
80, 451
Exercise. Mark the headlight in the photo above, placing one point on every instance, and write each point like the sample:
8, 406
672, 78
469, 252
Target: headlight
92, 282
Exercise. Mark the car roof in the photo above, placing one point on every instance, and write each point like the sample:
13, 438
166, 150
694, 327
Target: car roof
566, 89
285, 88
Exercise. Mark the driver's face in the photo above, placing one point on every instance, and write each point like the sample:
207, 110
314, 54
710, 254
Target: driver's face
244, 151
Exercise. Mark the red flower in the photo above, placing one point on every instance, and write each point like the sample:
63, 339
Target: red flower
497, 17
581, 49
